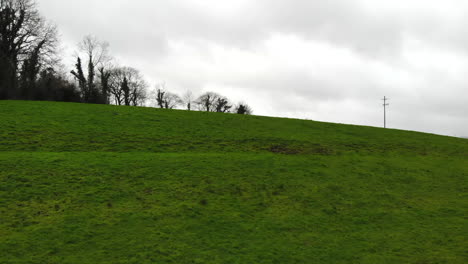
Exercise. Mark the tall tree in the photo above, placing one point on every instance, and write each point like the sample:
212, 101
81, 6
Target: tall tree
97, 55
160, 95
105, 76
29, 73
81, 79
126, 91
26, 43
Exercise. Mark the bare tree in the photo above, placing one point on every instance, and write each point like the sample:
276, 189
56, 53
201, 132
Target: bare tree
97, 56
95, 50
25, 38
187, 100
213, 102
42, 56
160, 95
172, 100
207, 101
127, 86
116, 77
165, 99
138, 86
139, 92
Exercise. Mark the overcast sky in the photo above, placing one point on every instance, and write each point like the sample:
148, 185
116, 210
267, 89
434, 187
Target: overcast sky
326, 60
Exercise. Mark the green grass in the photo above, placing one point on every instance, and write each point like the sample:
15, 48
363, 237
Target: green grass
105, 184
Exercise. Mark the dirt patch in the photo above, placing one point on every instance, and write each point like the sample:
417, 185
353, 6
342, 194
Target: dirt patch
284, 149
322, 150
297, 150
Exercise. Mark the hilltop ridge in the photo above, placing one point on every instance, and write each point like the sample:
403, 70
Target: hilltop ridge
51, 126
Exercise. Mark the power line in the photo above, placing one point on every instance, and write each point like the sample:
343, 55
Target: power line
385, 110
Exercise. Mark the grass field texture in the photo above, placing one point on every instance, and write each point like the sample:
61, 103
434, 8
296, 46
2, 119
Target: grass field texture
105, 184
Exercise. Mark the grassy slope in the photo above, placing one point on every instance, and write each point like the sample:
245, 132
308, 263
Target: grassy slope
105, 184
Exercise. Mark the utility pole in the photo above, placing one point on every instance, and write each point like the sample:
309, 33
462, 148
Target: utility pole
385, 110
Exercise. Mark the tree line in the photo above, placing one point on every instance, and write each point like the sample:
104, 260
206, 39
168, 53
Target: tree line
31, 69
207, 102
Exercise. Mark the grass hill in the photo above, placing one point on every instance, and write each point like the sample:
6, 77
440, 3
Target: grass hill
106, 184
